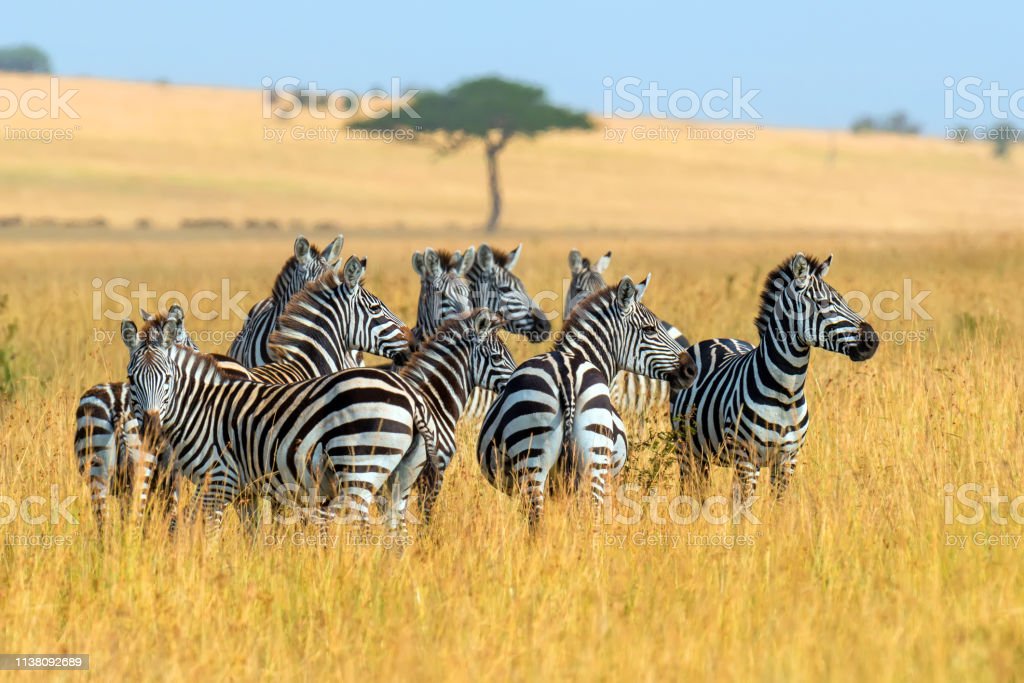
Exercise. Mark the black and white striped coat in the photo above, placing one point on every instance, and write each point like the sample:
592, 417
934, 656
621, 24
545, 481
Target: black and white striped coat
107, 439
494, 286
251, 347
318, 331
237, 438
631, 393
444, 290
747, 407
556, 414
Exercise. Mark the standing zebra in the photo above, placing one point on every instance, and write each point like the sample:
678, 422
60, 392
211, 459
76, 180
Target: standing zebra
747, 407
556, 413
493, 286
631, 392
466, 352
236, 438
250, 348
444, 290
107, 444
319, 330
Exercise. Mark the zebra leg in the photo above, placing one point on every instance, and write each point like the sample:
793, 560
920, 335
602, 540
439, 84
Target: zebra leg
744, 483
782, 473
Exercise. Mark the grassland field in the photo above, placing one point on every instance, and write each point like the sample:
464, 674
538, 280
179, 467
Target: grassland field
858, 574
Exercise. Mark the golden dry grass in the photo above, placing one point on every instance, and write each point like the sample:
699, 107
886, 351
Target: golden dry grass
850, 578
164, 152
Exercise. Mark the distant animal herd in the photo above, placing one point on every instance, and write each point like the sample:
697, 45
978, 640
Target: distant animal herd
293, 414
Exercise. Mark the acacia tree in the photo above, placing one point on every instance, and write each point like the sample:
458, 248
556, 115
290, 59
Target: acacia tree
489, 109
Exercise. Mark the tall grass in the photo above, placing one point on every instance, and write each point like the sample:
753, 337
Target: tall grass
852, 576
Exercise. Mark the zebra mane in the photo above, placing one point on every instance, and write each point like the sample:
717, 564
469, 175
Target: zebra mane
453, 326
447, 259
224, 367
585, 306
776, 281
289, 330
500, 257
281, 281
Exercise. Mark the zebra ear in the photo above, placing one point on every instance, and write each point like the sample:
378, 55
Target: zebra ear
603, 262
513, 257
822, 270
483, 322
146, 316
417, 263
170, 330
333, 251
641, 287
129, 334
625, 293
301, 249
355, 268
575, 261
800, 269
466, 263
176, 313
431, 262
485, 257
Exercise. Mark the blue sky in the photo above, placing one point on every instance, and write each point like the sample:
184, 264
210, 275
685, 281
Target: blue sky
816, 64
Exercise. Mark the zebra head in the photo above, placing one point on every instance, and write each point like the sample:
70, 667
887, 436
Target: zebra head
586, 278
495, 287
490, 362
444, 290
150, 370
307, 265
646, 347
799, 306
337, 312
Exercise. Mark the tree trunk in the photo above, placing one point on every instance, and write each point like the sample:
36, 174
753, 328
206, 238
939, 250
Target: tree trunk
492, 175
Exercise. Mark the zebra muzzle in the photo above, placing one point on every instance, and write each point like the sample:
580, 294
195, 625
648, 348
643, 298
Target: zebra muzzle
684, 376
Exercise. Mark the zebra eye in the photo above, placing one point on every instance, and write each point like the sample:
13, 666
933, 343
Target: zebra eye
376, 306
650, 329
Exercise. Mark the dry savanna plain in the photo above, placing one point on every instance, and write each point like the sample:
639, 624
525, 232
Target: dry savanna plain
881, 564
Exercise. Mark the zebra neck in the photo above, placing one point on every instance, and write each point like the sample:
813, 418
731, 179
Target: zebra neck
198, 392
590, 339
442, 376
784, 357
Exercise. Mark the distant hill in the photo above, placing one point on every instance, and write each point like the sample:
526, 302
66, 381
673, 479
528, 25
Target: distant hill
164, 153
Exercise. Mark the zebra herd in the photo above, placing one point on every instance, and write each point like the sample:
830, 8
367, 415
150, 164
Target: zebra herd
292, 414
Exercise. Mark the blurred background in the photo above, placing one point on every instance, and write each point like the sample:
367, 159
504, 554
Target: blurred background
722, 119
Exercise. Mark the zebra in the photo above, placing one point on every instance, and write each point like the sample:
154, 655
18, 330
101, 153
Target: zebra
250, 347
556, 414
493, 286
631, 393
747, 406
444, 290
107, 440
320, 328
237, 438
466, 352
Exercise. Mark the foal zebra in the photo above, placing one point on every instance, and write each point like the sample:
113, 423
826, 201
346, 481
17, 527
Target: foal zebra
493, 286
556, 413
107, 444
251, 348
631, 392
747, 406
235, 437
444, 290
